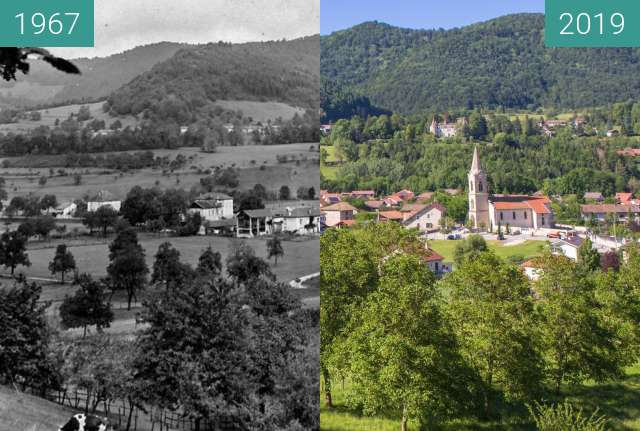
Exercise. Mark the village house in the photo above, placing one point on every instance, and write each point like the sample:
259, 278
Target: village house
325, 129
567, 247
337, 213
360, 194
624, 198
594, 196
328, 198
398, 198
436, 264
601, 212
101, 199
425, 218
424, 197
532, 269
213, 207
374, 205
268, 221
446, 129
488, 212
65, 210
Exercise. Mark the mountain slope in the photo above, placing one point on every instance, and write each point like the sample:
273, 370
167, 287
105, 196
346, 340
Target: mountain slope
100, 76
502, 62
284, 71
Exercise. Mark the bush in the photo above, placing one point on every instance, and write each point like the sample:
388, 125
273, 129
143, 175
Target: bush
564, 417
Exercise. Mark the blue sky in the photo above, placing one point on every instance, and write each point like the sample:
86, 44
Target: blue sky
424, 14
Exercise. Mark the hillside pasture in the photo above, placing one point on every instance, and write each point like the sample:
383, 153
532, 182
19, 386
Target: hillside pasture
261, 111
61, 113
526, 249
256, 164
24, 412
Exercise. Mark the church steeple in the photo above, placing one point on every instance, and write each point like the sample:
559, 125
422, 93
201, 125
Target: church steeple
478, 194
475, 164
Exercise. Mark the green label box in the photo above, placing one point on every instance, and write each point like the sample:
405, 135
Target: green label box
47, 23
592, 23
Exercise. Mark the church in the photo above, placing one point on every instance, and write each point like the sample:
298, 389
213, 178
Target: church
487, 212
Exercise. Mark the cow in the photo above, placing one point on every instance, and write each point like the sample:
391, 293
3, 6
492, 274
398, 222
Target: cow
82, 422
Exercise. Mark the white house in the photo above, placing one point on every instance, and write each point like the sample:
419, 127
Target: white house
301, 221
423, 217
567, 247
101, 199
64, 210
213, 207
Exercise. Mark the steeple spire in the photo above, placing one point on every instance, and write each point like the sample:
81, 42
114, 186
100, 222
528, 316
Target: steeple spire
475, 165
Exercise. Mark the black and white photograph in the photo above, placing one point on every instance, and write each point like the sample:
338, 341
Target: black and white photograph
160, 238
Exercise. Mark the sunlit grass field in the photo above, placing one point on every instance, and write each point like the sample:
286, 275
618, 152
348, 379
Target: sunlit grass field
525, 250
618, 401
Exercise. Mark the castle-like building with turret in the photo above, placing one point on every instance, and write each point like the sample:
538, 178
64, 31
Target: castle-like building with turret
487, 212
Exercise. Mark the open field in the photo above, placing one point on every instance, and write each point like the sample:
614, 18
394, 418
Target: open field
61, 113
257, 164
618, 401
257, 111
24, 412
300, 257
526, 249
261, 111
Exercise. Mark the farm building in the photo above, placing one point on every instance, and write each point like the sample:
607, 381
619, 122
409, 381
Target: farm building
299, 221
101, 199
213, 207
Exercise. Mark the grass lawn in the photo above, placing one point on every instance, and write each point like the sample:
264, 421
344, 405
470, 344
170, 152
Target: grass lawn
329, 172
526, 249
19, 411
618, 401
300, 257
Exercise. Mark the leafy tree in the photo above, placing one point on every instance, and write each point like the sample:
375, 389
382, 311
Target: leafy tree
579, 344
243, 264
127, 268
13, 246
284, 194
87, 307
403, 356
25, 337
588, 256
274, 248
168, 269
48, 201
469, 249
62, 262
490, 304
209, 262
609, 261
103, 218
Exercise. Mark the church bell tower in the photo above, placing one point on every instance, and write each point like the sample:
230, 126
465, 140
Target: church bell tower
478, 195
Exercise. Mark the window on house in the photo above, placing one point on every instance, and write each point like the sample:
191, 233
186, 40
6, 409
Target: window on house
470, 185
514, 215
501, 216
542, 219
525, 215
480, 185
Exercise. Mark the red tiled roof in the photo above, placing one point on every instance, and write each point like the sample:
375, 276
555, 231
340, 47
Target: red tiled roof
340, 206
433, 256
609, 208
624, 198
391, 215
511, 202
374, 204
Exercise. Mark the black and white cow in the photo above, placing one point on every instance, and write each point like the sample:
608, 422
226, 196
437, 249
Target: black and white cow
82, 422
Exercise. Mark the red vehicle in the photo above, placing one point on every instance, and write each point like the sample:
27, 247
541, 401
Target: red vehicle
553, 235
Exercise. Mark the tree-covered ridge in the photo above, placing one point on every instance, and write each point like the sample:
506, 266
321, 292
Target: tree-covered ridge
285, 71
338, 102
501, 62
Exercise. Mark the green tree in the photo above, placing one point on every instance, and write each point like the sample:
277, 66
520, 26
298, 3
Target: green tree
284, 194
127, 270
13, 250
491, 309
577, 341
87, 307
588, 256
469, 248
209, 262
63, 262
403, 356
168, 269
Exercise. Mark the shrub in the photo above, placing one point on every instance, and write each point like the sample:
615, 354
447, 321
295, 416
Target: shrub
564, 417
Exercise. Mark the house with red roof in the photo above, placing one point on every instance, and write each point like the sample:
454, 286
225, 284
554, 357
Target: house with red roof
419, 216
487, 211
624, 198
436, 263
337, 213
399, 198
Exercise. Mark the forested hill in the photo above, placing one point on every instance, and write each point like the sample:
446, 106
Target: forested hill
501, 62
283, 71
100, 76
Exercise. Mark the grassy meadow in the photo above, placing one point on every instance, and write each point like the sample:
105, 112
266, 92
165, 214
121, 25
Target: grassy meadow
618, 401
526, 249
257, 165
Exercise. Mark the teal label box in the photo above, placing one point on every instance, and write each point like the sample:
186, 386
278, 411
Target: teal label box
47, 23
592, 23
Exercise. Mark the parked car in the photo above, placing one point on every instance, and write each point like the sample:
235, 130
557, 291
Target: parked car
555, 235
454, 236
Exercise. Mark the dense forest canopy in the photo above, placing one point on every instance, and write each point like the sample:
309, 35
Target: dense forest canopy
499, 63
